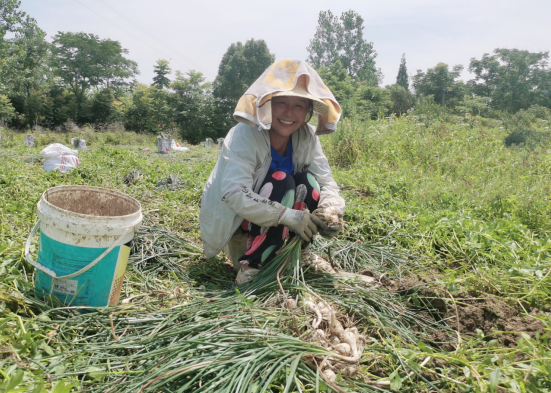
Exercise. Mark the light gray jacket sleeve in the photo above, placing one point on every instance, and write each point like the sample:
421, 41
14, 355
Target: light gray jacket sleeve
241, 161
329, 190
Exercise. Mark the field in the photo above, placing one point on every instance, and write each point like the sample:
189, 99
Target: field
453, 225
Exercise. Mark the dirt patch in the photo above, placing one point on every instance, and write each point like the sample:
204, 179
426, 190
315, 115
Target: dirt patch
92, 201
421, 294
494, 317
489, 314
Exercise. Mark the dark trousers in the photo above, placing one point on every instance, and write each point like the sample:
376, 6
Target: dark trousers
295, 192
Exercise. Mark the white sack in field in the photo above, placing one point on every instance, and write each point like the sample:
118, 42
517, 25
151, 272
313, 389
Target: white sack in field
57, 149
175, 147
63, 164
30, 140
59, 158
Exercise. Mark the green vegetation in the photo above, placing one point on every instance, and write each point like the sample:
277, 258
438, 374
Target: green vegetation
448, 210
90, 80
452, 222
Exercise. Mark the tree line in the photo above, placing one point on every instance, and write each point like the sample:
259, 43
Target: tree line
87, 79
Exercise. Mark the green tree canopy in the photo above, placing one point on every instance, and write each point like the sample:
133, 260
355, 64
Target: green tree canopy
24, 60
10, 16
373, 102
402, 99
84, 61
194, 107
24, 70
7, 111
337, 79
161, 69
342, 39
513, 79
402, 79
241, 65
440, 83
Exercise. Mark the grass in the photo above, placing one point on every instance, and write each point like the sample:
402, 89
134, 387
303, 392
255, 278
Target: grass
454, 224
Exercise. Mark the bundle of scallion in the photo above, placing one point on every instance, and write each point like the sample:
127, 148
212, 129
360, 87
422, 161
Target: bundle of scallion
253, 338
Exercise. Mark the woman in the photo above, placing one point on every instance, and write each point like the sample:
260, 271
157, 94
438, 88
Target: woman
271, 169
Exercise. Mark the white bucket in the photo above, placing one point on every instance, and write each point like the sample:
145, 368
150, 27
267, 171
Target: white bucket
85, 239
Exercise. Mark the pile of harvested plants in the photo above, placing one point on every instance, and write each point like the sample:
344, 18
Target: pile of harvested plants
288, 329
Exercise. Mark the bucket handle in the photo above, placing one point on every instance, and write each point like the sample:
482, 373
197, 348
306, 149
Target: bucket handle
53, 274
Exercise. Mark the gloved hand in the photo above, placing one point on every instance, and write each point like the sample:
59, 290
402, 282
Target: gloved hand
303, 223
332, 217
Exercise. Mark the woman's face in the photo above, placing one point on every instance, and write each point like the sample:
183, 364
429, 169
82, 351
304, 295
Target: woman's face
288, 114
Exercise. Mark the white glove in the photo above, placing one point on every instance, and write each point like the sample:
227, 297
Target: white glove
303, 223
332, 217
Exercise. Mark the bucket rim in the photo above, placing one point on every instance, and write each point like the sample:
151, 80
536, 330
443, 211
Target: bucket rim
50, 205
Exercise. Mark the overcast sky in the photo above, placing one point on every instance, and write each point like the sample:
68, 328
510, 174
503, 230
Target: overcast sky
195, 34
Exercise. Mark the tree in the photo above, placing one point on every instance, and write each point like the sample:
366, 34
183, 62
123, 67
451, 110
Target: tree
513, 79
441, 83
342, 39
102, 106
341, 85
372, 101
241, 65
83, 61
338, 81
6, 109
24, 71
62, 105
194, 107
142, 112
402, 79
161, 70
23, 57
477, 106
402, 99
24, 64
10, 16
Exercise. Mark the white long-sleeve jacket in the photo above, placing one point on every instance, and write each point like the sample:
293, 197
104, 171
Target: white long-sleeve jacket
230, 194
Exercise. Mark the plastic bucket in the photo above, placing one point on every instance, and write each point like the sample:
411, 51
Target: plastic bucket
85, 238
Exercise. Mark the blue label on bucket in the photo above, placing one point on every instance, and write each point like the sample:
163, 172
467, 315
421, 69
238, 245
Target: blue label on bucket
92, 288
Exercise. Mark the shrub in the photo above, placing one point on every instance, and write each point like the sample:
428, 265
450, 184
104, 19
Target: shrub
402, 99
373, 102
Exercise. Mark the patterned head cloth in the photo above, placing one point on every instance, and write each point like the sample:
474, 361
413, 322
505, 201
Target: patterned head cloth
288, 77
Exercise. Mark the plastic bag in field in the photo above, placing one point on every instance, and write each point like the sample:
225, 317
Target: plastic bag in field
163, 144
174, 146
79, 143
59, 157
63, 163
30, 140
57, 149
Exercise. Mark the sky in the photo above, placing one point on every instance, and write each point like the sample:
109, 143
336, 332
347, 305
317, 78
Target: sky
194, 35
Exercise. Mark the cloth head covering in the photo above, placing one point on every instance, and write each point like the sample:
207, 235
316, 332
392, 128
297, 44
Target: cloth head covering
255, 106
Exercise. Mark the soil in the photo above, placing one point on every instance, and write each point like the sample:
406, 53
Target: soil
489, 315
92, 201
496, 318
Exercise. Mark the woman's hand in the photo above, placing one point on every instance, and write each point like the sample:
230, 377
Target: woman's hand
303, 223
332, 217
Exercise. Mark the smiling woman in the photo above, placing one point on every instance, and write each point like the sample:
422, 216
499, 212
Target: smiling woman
288, 115
272, 172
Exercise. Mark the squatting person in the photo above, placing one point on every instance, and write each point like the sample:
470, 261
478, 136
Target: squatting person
271, 169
